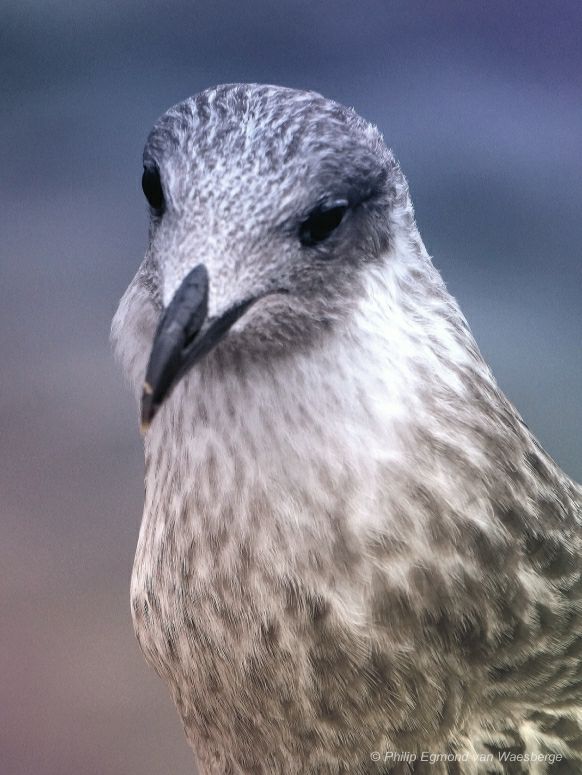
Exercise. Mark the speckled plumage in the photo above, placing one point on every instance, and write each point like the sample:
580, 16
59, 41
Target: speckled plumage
351, 542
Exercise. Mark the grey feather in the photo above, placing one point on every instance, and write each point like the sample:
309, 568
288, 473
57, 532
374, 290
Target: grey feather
351, 542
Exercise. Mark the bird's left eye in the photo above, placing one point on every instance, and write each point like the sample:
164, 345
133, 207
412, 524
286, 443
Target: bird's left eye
152, 188
322, 222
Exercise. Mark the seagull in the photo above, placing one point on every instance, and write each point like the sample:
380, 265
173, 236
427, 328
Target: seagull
354, 555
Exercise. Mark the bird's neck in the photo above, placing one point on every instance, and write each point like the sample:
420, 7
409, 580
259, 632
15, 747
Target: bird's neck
403, 367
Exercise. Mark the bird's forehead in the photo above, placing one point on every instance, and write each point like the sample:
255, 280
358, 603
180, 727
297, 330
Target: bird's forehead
283, 134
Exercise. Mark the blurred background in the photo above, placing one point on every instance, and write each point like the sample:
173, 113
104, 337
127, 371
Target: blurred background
482, 105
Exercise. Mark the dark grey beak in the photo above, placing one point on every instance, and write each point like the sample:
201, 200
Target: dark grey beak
183, 337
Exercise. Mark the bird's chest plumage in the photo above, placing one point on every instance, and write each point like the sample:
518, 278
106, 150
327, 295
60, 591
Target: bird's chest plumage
239, 546
252, 586
285, 582
235, 604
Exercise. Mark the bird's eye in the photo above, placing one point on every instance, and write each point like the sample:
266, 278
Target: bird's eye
322, 221
152, 188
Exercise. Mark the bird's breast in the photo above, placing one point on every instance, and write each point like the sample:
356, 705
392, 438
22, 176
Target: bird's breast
281, 567
267, 596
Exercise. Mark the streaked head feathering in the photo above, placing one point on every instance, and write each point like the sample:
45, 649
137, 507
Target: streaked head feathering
285, 197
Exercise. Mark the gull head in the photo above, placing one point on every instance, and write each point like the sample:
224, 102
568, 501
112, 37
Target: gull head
268, 206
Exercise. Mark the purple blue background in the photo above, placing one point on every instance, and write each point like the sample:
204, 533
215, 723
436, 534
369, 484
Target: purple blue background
482, 105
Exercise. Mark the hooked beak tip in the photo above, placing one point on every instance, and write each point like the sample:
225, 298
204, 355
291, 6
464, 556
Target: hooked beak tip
148, 410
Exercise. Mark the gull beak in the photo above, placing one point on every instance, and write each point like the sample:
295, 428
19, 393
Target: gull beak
184, 336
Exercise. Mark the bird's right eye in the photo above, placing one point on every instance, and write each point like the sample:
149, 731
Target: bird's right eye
152, 188
322, 222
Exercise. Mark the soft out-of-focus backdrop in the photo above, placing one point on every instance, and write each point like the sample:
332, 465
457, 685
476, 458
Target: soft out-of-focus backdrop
482, 104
